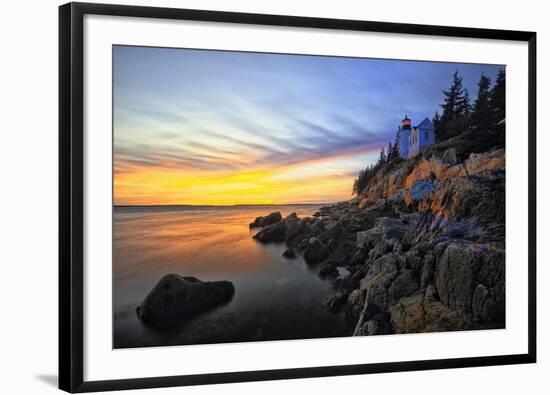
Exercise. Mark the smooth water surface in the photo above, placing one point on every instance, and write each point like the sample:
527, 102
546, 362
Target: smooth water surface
274, 299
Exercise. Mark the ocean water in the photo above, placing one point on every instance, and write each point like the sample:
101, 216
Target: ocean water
274, 299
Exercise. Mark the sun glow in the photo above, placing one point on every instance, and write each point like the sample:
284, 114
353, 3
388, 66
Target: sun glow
278, 185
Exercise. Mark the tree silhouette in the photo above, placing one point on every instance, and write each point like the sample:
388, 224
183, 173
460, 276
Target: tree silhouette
481, 116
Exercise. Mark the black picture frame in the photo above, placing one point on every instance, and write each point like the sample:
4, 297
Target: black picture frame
71, 173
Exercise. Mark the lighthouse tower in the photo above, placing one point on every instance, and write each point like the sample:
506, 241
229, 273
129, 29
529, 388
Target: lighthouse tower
404, 133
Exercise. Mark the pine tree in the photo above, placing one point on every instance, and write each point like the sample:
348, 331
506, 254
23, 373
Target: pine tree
396, 146
463, 105
436, 120
456, 110
498, 98
481, 116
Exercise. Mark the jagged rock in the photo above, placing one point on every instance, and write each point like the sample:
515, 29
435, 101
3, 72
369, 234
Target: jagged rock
483, 163
296, 231
177, 299
267, 220
424, 242
377, 322
449, 157
405, 284
275, 233
427, 274
292, 216
413, 260
315, 252
335, 303
384, 229
454, 276
359, 256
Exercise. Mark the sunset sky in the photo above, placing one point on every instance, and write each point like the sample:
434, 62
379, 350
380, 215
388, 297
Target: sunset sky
222, 128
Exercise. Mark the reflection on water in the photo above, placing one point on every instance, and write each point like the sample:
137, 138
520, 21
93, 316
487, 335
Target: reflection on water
274, 298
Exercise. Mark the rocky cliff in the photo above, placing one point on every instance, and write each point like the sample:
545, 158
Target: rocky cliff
423, 244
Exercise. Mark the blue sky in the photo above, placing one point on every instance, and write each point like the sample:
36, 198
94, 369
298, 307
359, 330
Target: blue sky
207, 112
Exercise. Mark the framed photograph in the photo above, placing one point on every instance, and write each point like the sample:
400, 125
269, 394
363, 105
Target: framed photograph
253, 197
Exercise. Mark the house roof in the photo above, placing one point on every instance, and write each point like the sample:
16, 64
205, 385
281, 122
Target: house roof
426, 124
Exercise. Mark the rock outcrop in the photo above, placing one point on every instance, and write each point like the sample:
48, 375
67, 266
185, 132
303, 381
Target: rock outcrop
423, 243
270, 219
177, 299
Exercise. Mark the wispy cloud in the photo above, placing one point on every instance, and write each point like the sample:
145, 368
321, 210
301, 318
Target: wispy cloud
247, 126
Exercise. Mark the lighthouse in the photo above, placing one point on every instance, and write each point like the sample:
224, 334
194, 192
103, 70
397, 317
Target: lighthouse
404, 133
413, 139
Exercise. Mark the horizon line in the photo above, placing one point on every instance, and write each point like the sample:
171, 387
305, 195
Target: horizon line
221, 205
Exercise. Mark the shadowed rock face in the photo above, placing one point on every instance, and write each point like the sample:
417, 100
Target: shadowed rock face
176, 299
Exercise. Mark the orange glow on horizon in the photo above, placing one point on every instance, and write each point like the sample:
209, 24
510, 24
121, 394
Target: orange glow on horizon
318, 180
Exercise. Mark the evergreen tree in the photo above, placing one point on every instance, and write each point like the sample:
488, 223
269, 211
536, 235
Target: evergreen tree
464, 106
456, 110
395, 153
436, 120
481, 116
498, 98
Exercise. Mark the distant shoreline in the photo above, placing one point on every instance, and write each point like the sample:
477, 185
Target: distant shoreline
222, 205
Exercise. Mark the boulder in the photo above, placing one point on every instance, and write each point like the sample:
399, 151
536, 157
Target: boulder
176, 299
292, 216
454, 276
270, 219
484, 163
296, 230
275, 233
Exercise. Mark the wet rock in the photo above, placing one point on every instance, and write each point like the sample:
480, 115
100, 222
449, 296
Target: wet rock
275, 233
267, 220
292, 216
296, 231
328, 270
336, 302
315, 252
177, 299
289, 253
